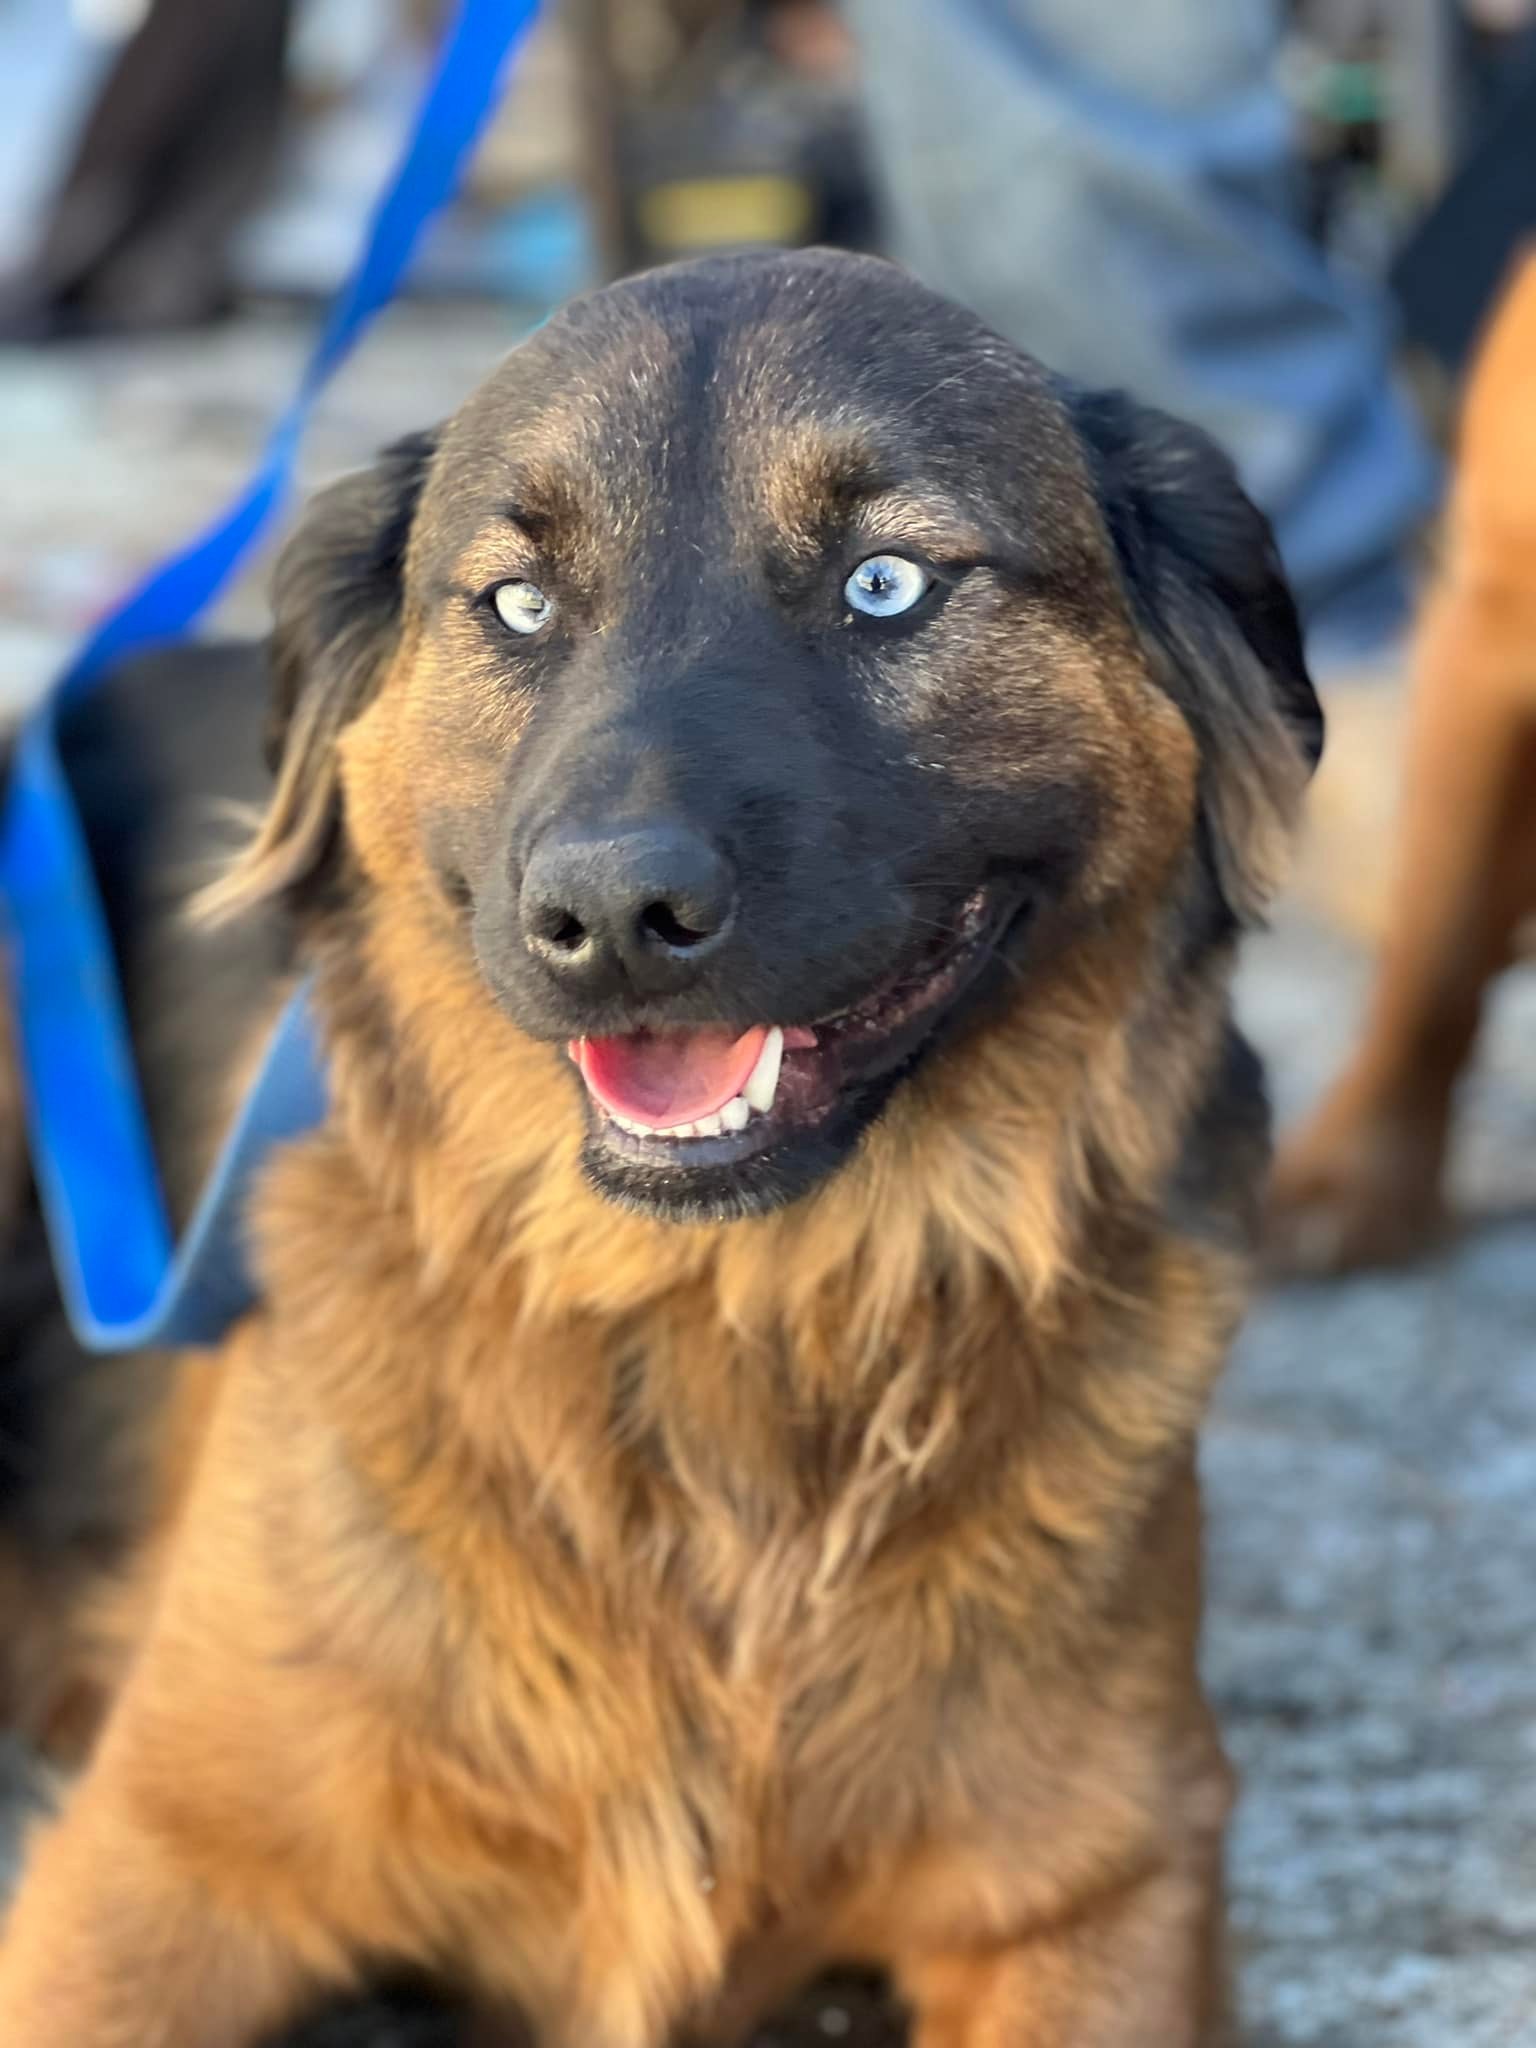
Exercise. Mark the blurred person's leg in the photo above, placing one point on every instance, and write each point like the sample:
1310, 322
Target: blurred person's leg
172, 154
1115, 186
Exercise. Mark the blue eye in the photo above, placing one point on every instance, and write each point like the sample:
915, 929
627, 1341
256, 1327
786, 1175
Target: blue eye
886, 585
522, 606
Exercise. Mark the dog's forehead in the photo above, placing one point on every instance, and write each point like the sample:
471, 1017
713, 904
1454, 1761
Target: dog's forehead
764, 382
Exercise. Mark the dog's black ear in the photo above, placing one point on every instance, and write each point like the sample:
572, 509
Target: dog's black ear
1213, 610
336, 617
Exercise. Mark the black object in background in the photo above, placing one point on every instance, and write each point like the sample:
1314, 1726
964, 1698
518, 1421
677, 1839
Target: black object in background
174, 151
1449, 271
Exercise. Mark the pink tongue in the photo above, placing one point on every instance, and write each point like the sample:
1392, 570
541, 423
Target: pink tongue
668, 1077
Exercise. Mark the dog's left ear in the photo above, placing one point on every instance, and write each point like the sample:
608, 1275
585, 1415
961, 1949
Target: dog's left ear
1214, 613
336, 602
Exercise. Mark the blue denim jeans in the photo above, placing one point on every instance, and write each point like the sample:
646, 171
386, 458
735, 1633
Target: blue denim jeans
1113, 185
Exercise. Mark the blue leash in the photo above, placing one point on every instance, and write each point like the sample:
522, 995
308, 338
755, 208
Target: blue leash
124, 1282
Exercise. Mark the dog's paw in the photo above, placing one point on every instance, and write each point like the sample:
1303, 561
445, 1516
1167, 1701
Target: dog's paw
1357, 1186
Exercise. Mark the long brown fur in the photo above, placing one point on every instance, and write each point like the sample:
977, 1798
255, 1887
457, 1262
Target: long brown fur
628, 1618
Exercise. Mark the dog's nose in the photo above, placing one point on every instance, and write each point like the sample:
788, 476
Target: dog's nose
643, 907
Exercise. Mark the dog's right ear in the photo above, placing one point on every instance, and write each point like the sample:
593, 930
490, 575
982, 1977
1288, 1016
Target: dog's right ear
336, 620
1209, 600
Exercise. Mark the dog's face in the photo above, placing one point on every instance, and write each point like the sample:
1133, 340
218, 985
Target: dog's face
760, 672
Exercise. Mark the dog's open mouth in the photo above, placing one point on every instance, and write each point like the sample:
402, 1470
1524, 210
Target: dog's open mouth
715, 1097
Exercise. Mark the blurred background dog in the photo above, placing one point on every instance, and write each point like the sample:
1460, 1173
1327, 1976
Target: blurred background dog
1364, 1180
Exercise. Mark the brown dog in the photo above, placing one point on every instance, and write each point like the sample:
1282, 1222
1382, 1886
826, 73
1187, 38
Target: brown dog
1361, 1183
725, 1501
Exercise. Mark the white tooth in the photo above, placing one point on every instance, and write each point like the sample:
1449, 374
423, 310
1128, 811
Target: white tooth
763, 1081
735, 1113
709, 1127
679, 1131
635, 1130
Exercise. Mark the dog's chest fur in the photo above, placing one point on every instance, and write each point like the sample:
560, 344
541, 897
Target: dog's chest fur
675, 1631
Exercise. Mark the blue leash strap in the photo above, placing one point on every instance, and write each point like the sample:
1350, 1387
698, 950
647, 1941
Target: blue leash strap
124, 1283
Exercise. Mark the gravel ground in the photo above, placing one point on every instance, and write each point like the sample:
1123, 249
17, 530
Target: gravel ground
1372, 1461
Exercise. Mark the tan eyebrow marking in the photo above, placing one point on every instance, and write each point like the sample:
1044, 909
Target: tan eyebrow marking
818, 486
935, 524
532, 522
502, 550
